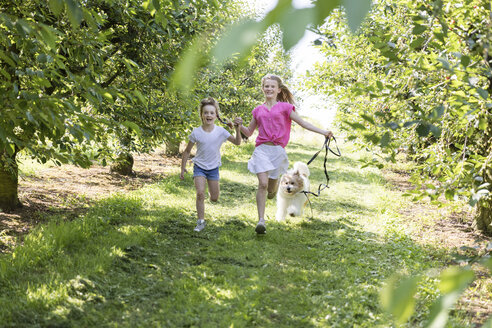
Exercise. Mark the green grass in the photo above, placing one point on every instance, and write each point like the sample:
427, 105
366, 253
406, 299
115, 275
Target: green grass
134, 261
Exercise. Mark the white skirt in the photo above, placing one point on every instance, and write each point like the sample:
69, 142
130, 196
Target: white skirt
270, 159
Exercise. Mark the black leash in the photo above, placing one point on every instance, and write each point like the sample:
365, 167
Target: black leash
322, 186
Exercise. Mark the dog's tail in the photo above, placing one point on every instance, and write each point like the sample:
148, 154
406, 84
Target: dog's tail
301, 168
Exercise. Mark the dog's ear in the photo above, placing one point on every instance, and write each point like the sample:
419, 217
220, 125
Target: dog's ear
297, 173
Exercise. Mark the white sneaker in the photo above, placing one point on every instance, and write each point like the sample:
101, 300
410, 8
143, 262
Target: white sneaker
200, 225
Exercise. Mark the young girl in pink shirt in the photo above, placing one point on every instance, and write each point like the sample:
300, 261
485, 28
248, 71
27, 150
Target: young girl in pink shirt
269, 159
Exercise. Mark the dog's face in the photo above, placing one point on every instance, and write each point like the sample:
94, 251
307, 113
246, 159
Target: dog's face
291, 183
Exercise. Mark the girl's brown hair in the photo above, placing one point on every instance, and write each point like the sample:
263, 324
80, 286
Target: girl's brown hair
285, 95
211, 101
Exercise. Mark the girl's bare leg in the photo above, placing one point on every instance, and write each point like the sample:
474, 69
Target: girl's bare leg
200, 197
261, 196
214, 190
272, 188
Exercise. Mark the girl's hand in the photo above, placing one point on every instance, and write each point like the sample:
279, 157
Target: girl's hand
328, 134
238, 121
181, 176
229, 123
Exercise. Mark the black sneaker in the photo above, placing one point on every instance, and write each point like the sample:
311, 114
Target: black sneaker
260, 228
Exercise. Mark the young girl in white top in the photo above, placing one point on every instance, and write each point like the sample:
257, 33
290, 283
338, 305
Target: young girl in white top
208, 137
273, 119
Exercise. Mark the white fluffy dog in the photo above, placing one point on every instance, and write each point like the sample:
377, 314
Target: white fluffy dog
290, 196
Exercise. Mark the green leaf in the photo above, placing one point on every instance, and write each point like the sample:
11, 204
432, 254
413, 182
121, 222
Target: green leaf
356, 11
368, 118
418, 29
392, 125
275, 15
385, 139
439, 36
445, 64
323, 8
74, 13
108, 96
48, 36
23, 27
436, 131
293, 24
423, 129
5, 74
449, 194
488, 262
398, 298
161, 19
390, 55
214, 3
453, 281
192, 59
372, 137
238, 39
30, 118
437, 112
140, 96
132, 126
355, 125
483, 93
417, 43
6, 58
465, 61
56, 6
483, 123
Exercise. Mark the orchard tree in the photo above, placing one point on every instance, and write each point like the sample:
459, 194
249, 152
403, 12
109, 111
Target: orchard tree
79, 75
424, 86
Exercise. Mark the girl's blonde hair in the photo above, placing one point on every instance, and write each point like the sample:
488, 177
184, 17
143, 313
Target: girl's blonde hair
285, 95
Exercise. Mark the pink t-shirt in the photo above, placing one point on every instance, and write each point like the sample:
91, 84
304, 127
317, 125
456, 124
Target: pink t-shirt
274, 124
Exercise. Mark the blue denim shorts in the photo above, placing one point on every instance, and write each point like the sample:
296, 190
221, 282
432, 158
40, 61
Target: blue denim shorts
212, 174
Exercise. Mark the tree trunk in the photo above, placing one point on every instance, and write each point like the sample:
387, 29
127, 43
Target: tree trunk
123, 164
9, 172
484, 216
172, 147
484, 207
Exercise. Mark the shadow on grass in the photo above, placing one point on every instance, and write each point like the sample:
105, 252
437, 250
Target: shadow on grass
301, 273
127, 264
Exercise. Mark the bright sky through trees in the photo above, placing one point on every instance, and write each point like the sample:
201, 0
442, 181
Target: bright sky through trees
304, 55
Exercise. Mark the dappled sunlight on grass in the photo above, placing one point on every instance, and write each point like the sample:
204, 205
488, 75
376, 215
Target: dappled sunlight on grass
134, 259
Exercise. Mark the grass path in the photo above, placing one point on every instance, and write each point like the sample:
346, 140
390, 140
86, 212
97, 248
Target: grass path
134, 261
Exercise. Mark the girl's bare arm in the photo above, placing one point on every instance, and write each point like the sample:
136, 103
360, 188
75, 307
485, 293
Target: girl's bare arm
184, 158
248, 131
308, 126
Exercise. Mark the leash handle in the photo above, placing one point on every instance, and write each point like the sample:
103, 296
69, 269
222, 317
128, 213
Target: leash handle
322, 186
338, 153
326, 146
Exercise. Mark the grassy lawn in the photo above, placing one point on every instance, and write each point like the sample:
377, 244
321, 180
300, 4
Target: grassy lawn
134, 261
